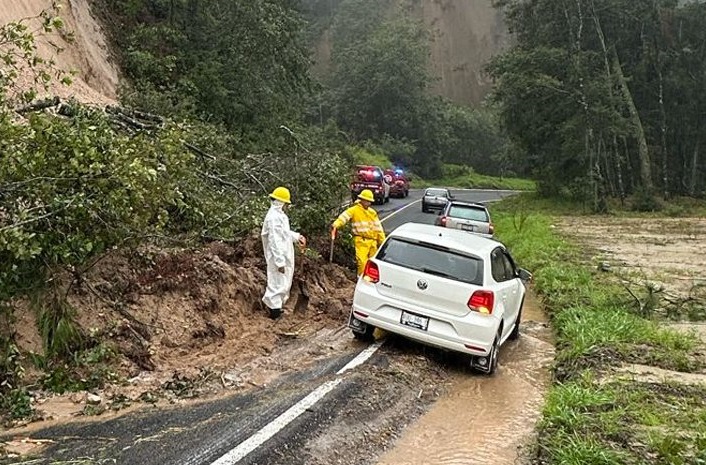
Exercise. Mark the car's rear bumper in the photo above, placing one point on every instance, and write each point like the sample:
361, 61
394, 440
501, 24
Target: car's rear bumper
471, 333
434, 205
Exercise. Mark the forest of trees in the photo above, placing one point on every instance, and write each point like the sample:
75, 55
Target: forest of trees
606, 97
246, 65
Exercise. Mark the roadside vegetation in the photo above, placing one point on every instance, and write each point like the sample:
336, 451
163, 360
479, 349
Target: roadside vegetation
465, 177
591, 415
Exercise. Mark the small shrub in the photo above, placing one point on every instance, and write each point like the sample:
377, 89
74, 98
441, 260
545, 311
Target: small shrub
645, 201
17, 403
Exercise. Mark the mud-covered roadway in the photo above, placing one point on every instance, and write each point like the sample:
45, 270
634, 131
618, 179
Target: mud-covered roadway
337, 401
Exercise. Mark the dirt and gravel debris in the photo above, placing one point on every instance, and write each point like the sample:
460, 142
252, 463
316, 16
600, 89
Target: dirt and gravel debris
185, 323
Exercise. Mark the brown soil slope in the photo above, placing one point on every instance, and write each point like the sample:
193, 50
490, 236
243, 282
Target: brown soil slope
97, 78
189, 322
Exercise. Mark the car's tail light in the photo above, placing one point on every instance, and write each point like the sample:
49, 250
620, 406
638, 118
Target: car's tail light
371, 273
491, 229
482, 302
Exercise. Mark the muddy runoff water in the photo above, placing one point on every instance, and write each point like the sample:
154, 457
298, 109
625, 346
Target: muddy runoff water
485, 420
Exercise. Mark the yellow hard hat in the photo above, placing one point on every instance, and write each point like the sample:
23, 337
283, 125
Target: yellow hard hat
367, 194
282, 194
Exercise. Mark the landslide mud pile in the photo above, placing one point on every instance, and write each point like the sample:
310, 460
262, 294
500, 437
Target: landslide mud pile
177, 314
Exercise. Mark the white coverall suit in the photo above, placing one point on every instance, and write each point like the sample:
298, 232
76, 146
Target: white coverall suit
278, 243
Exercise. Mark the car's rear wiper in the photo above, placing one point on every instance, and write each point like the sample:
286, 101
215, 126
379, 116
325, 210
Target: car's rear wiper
438, 273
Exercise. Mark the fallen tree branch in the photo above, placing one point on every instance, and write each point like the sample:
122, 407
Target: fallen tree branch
38, 105
38, 218
220, 180
198, 151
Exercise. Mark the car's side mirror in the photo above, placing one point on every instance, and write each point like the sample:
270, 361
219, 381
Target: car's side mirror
524, 275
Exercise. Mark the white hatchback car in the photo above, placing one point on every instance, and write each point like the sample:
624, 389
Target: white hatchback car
443, 287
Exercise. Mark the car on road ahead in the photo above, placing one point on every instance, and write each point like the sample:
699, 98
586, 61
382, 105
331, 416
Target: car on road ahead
467, 216
435, 198
399, 182
373, 178
442, 287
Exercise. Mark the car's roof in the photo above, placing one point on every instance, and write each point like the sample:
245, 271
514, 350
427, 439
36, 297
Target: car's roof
462, 241
435, 189
466, 203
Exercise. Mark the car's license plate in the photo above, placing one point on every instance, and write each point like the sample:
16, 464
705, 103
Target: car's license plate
415, 321
468, 227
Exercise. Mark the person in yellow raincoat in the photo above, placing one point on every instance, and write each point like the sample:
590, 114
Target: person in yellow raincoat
368, 233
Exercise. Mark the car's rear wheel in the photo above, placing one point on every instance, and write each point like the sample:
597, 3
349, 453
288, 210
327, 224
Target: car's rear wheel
366, 335
494, 355
488, 364
515, 334
424, 208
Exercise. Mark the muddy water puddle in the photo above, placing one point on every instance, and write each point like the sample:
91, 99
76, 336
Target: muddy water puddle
485, 420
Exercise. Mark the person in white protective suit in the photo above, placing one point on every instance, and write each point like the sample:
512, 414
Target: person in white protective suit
278, 243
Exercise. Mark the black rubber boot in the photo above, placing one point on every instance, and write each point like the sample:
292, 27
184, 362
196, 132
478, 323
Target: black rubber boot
275, 313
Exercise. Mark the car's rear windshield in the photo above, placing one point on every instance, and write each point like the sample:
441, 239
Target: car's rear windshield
432, 259
368, 174
468, 212
436, 192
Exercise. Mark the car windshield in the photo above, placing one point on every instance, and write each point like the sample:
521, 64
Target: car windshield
435, 192
433, 260
467, 212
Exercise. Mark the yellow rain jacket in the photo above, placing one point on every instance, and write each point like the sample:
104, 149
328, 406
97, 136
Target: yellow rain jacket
368, 233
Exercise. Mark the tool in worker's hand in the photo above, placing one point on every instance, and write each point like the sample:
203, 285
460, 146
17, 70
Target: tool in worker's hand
333, 241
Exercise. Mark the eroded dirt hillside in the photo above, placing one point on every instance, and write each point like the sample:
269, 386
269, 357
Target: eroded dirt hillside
97, 77
465, 35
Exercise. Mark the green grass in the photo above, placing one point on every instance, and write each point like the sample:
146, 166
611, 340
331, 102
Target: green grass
674, 208
362, 156
466, 178
476, 181
623, 422
597, 326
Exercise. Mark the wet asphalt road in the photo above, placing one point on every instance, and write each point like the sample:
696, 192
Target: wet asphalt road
353, 423
393, 215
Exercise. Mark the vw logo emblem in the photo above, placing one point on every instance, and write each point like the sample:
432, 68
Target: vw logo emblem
421, 284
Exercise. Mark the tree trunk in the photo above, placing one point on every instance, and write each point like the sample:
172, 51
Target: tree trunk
618, 170
609, 176
694, 174
663, 132
639, 131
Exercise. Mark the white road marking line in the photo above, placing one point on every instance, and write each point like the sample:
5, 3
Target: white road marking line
399, 211
238, 453
361, 357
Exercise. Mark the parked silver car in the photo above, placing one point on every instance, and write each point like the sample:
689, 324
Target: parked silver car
435, 198
467, 216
